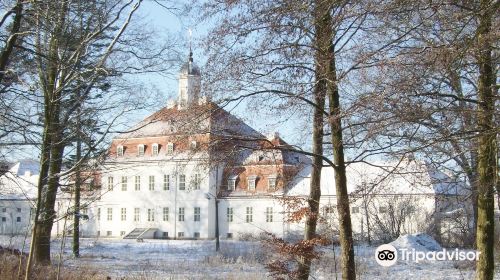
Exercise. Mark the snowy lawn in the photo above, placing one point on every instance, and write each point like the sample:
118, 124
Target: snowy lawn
189, 259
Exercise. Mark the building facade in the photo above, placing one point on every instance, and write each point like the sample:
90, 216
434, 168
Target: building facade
192, 170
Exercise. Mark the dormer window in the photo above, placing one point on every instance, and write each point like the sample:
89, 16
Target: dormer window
231, 182
140, 150
251, 182
193, 145
271, 182
119, 151
155, 149
170, 148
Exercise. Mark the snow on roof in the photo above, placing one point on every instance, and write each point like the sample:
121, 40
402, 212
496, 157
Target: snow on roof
197, 119
20, 182
406, 177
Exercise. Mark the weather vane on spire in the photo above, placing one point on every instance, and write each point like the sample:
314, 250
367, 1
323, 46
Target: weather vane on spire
190, 34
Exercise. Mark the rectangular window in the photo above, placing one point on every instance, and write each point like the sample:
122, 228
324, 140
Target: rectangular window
110, 214
196, 235
98, 233
4, 210
18, 219
18, 210
180, 234
85, 211
170, 148
110, 183
151, 182
269, 214
109, 233
231, 184
249, 217
98, 214
197, 181
137, 183
229, 235
182, 182
124, 214
193, 145
155, 149
4, 219
382, 209
124, 183
165, 214
136, 214
229, 215
165, 235
197, 214
140, 150
355, 210
181, 214
119, 151
251, 184
151, 215
122, 233
271, 183
166, 182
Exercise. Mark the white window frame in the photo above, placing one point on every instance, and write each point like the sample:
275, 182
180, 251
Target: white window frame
197, 214
110, 214
272, 182
181, 214
123, 214
269, 214
151, 215
231, 182
124, 183
151, 182
137, 183
182, 182
170, 148
120, 151
166, 182
193, 145
155, 149
229, 214
165, 214
140, 150
249, 215
252, 182
197, 181
110, 183
137, 214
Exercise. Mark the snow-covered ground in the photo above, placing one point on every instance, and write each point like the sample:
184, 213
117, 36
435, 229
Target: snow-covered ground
186, 259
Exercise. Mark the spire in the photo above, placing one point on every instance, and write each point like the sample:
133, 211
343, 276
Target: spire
190, 32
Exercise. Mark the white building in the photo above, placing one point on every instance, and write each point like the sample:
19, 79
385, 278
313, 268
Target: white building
165, 177
17, 195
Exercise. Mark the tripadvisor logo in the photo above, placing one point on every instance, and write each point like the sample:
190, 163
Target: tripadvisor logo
387, 255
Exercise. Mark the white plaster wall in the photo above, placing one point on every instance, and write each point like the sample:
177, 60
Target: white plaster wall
157, 199
11, 210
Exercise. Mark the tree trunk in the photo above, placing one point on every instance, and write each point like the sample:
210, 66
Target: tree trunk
343, 206
11, 41
44, 229
317, 149
77, 214
487, 145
